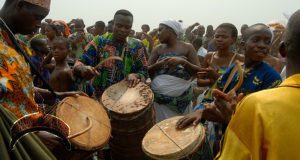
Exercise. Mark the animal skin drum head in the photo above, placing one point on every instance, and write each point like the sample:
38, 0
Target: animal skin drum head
121, 99
163, 141
75, 112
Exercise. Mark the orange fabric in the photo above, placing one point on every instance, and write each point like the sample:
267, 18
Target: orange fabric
65, 26
16, 84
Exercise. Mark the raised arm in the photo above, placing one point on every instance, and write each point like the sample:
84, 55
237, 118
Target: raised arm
188, 31
47, 62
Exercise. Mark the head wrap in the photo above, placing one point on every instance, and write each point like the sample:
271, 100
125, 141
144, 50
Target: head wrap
42, 3
65, 28
176, 26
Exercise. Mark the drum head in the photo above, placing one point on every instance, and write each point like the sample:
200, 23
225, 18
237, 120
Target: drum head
74, 112
121, 99
164, 142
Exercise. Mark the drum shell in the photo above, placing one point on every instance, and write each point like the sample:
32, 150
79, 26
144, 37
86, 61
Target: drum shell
128, 131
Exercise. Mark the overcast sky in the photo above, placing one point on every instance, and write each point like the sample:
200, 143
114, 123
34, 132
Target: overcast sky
152, 12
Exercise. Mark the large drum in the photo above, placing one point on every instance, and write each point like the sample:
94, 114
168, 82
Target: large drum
132, 115
89, 123
164, 142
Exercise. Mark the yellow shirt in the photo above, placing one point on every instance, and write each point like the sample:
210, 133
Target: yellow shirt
265, 125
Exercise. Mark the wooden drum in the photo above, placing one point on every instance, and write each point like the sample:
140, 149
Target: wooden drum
89, 123
164, 142
132, 115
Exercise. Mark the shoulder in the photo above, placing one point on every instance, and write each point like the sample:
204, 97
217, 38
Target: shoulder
262, 99
270, 70
133, 42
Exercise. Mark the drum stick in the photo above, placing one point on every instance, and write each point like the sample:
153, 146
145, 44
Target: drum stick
107, 59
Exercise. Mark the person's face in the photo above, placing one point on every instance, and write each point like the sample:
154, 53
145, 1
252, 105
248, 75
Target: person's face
60, 51
145, 29
163, 33
28, 17
43, 26
201, 30
59, 28
98, 31
79, 28
109, 27
223, 38
50, 32
122, 27
210, 30
258, 45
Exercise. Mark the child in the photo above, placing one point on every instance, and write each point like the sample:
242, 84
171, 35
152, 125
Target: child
39, 50
61, 78
51, 33
257, 76
264, 125
78, 40
216, 63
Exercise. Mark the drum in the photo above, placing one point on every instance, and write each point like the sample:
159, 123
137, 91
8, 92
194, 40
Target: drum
132, 115
164, 142
88, 121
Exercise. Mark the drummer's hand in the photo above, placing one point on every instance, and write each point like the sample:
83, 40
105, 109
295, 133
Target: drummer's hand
62, 95
194, 118
224, 104
133, 79
86, 72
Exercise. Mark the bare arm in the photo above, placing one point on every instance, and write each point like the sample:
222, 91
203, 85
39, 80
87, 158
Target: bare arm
188, 31
88, 29
153, 65
205, 64
193, 64
206, 61
47, 62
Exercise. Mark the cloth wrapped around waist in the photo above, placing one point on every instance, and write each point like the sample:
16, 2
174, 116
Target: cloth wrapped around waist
174, 92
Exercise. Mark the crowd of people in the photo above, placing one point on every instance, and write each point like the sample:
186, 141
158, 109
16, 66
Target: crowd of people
251, 114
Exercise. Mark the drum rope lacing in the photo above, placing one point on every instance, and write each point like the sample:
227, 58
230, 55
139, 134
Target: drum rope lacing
173, 141
80, 112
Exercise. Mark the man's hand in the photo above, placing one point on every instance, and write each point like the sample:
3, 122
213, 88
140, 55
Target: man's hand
85, 72
133, 79
223, 106
62, 95
194, 118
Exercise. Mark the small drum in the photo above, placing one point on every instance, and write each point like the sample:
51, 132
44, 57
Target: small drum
164, 142
88, 122
132, 115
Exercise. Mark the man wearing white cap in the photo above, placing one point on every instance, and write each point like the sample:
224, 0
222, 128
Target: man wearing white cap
171, 67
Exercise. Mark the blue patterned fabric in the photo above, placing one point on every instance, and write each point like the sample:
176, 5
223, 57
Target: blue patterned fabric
177, 104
